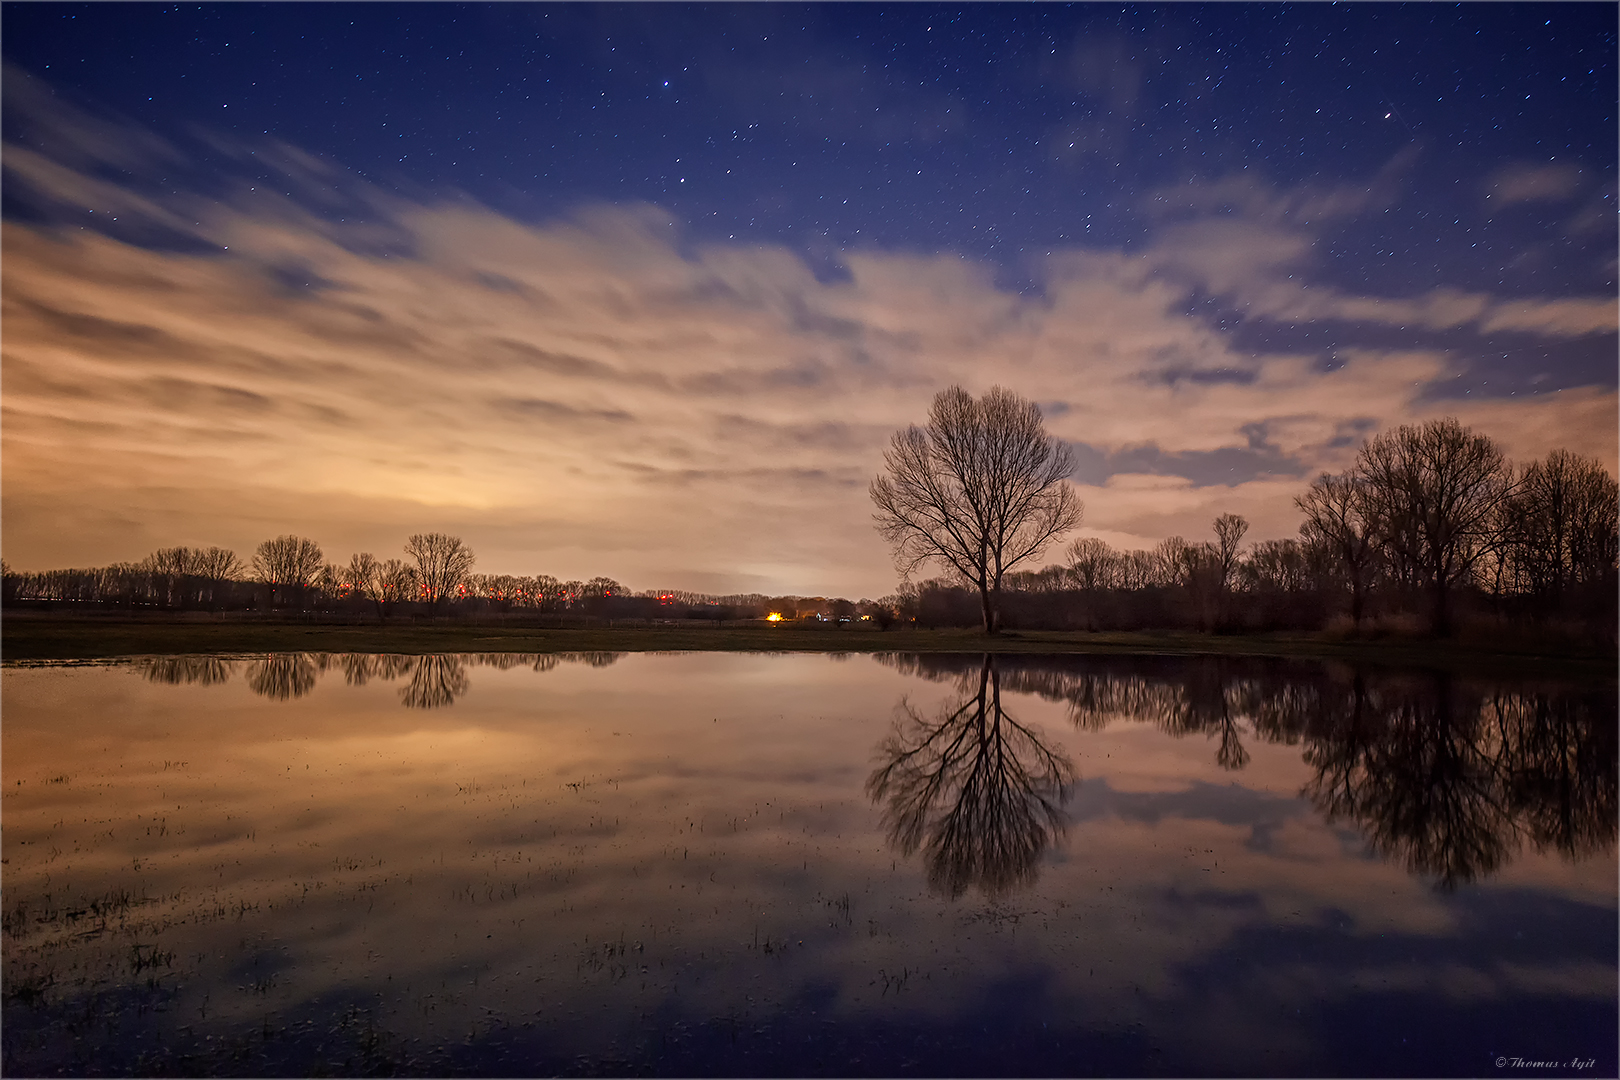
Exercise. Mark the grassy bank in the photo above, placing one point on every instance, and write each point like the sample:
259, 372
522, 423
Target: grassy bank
73, 637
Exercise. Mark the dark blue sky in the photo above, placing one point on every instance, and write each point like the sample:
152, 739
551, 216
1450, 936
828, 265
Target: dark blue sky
1427, 187
990, 130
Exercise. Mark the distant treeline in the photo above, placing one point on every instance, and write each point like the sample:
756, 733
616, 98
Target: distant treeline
1431, 528
291, 574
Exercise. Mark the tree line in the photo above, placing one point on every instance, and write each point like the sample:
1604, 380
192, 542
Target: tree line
435, 578
1429, 516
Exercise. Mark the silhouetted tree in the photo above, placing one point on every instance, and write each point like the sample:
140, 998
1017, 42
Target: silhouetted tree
363, 574
185, 577
1432, 496
1093, 564
287, 562
1562, 527
441, 564
979, 490
1229, 532
1338, 516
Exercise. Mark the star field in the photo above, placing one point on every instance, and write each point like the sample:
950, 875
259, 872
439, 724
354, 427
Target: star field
1322, 183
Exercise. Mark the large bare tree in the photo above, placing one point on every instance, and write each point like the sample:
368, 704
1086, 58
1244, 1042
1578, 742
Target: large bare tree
1433, 495
979, 489
441, 564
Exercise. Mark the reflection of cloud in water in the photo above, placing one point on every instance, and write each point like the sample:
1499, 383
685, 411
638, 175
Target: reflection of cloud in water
979, 792
656, 856
1444, 776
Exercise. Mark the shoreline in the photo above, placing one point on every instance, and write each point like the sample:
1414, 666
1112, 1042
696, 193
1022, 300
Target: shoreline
48, 637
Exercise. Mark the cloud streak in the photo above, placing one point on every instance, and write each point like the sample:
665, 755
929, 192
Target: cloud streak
599, 394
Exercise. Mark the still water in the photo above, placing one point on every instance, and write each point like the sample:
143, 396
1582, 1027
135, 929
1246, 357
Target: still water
711, 864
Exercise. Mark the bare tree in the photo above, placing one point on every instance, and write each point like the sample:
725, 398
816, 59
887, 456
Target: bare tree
363, 574
1197, 569
441, 564
185, 576
216, 564
1336, 516
287, 562
1433, 493
175, 561
384, 583
1140, 569
1563, 525
600, 588
1093, 564
330, 580
1229, 530
1277, 566
979, 490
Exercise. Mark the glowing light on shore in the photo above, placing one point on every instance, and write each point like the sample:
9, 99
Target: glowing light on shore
775, 616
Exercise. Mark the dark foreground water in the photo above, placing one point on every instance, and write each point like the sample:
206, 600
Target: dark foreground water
711, 864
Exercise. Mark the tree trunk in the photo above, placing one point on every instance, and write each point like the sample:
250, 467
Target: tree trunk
989, 608
1442, 609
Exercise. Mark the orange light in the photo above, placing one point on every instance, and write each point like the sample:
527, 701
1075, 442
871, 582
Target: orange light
775, 616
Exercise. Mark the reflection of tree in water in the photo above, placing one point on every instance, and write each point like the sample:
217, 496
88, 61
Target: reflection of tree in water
436, 680
975, 789
206, 670
1417, 771
591, 659
360, 668
548, 661
1563, 775
1446, 777
1451, 781
283, 676
1185, 696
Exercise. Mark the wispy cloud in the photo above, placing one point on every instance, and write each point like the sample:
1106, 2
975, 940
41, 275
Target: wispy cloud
600, 394
1522, 182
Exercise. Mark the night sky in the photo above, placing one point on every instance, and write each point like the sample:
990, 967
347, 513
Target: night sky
643, 291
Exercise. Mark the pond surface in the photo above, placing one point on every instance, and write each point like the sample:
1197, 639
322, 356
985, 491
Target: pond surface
719, 864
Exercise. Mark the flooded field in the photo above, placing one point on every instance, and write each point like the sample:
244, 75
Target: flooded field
724, 864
